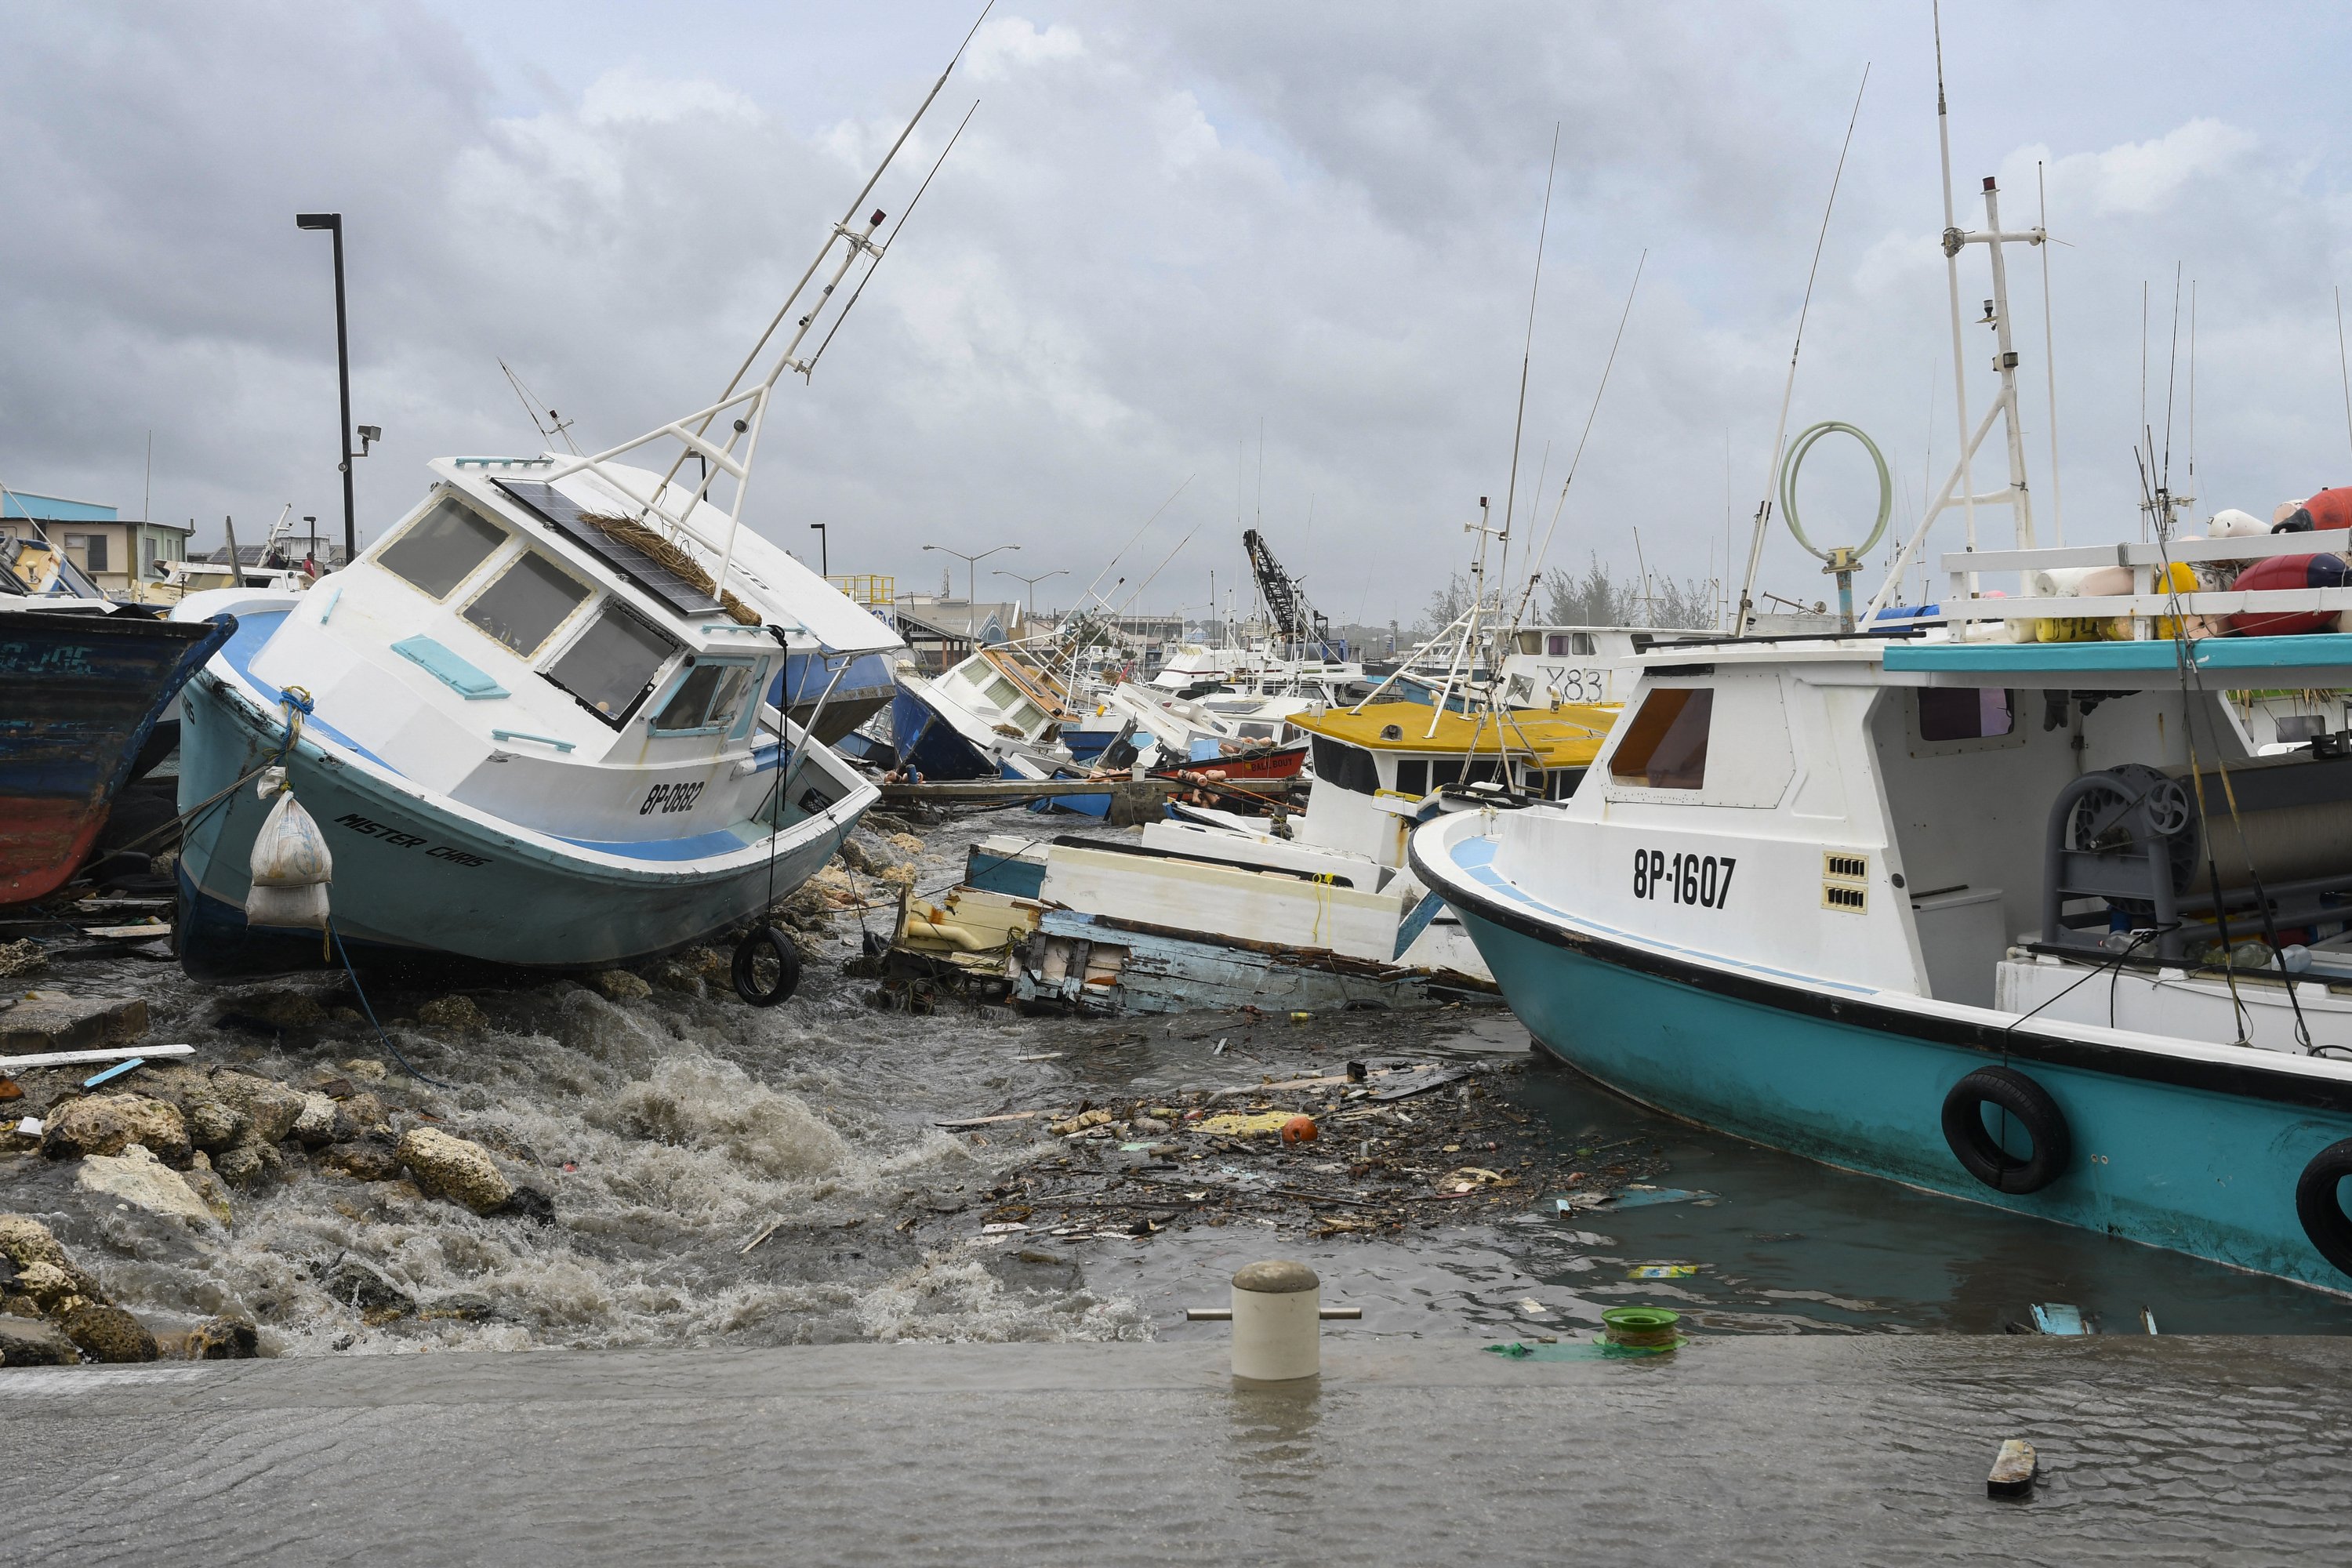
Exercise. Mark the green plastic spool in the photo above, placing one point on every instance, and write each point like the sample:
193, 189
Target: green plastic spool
1641, 1328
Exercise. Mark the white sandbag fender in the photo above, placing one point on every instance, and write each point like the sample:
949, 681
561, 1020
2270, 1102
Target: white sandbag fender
291, 866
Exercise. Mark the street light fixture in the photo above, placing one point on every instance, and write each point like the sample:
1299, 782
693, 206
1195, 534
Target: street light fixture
333, 224
971, 564
1031, 584
823, 567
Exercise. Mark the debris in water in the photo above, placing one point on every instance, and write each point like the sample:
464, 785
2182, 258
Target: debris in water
2012, 1470
2059, 1318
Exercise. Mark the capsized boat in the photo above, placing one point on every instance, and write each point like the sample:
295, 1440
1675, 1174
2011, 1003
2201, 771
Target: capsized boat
1211, 901
532, 722
85, 684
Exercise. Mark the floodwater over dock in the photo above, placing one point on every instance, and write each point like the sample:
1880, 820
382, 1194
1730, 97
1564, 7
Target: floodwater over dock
726, 1176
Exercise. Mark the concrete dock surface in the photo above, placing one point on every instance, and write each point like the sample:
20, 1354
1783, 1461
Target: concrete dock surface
1796, 1450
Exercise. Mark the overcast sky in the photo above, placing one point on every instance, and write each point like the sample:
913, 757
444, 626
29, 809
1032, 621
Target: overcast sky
1168, 228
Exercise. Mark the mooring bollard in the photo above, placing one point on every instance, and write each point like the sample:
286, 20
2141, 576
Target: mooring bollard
1277, 1316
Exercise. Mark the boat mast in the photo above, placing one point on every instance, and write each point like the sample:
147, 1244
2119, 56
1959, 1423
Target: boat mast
1959, 488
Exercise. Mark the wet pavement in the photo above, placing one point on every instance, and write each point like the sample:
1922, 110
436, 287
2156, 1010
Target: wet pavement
676, 1128
1788, 1448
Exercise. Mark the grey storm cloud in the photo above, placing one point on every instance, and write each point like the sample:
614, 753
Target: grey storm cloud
1167, 229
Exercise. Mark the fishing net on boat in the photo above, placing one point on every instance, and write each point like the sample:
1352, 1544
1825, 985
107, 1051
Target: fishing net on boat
628, 530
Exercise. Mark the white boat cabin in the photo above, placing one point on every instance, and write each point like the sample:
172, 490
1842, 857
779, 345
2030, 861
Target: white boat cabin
500, 647
1988, 824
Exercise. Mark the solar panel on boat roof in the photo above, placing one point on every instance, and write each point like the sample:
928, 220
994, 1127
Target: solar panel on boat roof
563, 514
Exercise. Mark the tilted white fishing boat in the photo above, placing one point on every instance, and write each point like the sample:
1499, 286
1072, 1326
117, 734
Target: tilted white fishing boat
531, 721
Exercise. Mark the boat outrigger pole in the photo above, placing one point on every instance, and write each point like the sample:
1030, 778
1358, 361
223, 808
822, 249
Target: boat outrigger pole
746, 410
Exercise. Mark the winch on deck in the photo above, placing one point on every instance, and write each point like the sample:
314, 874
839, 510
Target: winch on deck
2155, 846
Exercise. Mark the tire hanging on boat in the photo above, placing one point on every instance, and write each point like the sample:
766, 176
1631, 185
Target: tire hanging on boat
2319, 1206
2019, 1097
745, 969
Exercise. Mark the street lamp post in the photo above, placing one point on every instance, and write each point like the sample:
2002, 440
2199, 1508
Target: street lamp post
824, 568
972, 564
333, 224
1031, 583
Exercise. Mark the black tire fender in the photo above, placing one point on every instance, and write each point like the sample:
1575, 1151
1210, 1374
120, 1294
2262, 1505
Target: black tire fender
2321, 1209
2030, 1105
747, 955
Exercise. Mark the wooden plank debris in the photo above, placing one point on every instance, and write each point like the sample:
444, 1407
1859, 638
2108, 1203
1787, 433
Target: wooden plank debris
2012, 1470
12, 1064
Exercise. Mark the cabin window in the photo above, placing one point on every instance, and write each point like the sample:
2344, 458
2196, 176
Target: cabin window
1412, 775
709, 697
1570, 645
1346, 767
524, 603
613, 664
1964, 713
1665, 745
441, 549
1003, 693
1442, 773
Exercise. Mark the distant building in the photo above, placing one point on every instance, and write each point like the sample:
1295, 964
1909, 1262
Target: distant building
116, 553
943, 632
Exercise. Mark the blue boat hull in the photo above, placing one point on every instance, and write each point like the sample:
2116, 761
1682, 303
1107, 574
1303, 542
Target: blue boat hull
924, 738
858, 693
2197, 1157
79, 695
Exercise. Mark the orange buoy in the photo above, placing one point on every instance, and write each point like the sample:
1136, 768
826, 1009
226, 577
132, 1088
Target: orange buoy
1299, 1129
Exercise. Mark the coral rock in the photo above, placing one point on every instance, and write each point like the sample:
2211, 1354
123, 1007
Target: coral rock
109, 1123
213, 1126
136, 1177
455, 1169
250, 1164
24, 1241
224, 1339
23, 1343
319, 1120
457, 1014
364, 1160
270, 1108
619, 985
110, 1333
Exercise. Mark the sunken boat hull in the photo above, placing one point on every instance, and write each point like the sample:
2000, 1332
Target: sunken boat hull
84, 692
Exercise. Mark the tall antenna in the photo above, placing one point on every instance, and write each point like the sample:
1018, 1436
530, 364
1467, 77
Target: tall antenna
2344, 366
1527, 353
1789, 389
554, 424
2191, 494
1534, 574
147, 484
2050, 361
1952, 286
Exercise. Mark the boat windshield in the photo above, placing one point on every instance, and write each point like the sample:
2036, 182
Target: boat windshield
611, 665
1665, 745
441, 549
710, 698
526, 602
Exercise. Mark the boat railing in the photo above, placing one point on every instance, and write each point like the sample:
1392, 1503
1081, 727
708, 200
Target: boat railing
2148, 601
